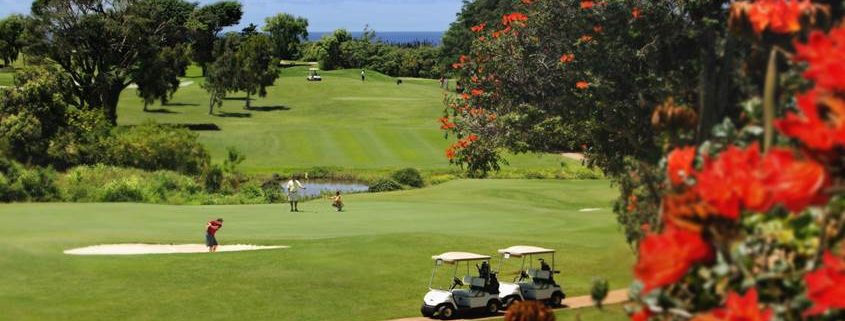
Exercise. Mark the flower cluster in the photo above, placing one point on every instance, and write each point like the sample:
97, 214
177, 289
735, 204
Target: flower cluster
775, 16
709, 194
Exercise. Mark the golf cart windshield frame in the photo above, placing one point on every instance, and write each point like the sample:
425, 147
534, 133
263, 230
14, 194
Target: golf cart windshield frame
525, 256
456, 263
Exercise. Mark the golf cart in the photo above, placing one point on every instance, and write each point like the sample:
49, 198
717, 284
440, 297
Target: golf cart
530, 283
313, 76
478, 295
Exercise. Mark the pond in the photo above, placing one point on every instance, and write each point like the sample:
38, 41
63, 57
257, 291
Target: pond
315, 189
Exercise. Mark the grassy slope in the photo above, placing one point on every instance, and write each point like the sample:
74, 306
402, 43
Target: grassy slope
338, 122
370, 263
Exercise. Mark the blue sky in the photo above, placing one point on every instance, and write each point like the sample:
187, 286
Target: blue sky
327, 15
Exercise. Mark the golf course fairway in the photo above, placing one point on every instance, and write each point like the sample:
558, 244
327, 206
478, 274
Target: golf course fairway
369, 263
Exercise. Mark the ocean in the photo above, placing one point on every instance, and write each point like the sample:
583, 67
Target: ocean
396, 37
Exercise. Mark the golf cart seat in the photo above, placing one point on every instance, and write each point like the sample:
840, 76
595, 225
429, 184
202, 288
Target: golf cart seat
540, 279
543, 275
476, 287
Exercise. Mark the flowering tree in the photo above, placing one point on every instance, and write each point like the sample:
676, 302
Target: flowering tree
744, 224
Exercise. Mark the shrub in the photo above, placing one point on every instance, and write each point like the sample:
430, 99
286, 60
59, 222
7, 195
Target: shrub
408, 176
213, 178
321, 172
36, 184
5, 188
599, 290
124, 190
385, 185
152, 146
440, 179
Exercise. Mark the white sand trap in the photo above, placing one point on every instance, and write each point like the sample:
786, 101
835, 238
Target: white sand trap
181, 84
140, 249
589, 209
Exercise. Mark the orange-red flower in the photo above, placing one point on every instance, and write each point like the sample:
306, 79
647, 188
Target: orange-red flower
567, 58
477, 92
793, 183
825, 285
742, 308
679, 165
665, 258
641, 315
823, 54
472, 137
587, 4
778, 16
730, 183
582, 85
450, 153
478, 28
586, 38
738, 308
446, 124
527, 1
636, 13
598, 28
743, 179
821, 124
517, 17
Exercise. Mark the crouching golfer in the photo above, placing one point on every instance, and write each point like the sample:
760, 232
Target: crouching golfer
210, 230
337, 202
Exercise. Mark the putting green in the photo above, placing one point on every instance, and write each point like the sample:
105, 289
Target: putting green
369, 263
339, 122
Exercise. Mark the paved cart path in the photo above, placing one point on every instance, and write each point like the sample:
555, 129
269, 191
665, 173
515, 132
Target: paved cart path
584, 301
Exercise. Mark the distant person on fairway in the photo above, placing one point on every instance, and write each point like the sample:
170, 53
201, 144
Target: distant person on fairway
337, 202
292, 188
363, 75
210, 231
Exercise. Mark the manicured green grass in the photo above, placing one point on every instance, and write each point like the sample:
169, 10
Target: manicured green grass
6, 77
370, 263
340, 122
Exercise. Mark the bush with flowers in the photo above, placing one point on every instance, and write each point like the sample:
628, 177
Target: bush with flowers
742, 219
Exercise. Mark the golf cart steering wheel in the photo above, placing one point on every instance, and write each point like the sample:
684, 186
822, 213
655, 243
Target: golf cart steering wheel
456, 282
523, 275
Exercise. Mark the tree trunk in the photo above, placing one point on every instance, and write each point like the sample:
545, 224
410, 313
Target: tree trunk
211, 104
248, 106
706, 85
145, 106
110, 99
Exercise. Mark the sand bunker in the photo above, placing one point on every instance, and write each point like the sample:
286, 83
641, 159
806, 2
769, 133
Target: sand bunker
181, 84
140, 249
589, 209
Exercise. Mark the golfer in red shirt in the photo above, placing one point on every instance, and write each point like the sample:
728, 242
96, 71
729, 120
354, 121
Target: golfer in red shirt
211, 229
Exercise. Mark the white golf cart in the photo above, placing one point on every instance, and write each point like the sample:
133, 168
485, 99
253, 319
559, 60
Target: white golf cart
479, 294
530, 283
313, 75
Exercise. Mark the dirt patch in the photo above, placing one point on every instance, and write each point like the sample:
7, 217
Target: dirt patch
142, 249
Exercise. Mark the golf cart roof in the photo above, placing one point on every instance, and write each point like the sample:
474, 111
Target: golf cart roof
520, 250
313, 69
452, 257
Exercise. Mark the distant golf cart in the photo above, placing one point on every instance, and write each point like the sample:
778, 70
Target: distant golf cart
478, 296
313, 75
530, 283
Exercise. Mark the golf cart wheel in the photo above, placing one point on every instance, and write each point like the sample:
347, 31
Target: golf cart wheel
445, 312
426, 311
510, 301
556, 299
492, 307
